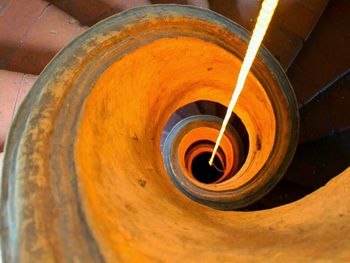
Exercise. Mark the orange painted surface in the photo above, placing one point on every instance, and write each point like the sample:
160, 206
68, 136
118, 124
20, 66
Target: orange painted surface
134, 98
137, 214
206, 133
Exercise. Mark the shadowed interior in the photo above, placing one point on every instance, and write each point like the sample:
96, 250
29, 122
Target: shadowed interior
204, 172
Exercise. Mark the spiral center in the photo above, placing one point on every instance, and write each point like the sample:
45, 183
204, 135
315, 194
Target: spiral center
205, 173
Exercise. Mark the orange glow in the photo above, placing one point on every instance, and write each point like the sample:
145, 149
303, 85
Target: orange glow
267, 9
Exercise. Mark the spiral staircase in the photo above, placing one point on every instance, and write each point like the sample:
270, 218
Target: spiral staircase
310, 39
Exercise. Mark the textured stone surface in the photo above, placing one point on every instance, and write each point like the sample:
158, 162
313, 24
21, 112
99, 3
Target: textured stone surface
13, 88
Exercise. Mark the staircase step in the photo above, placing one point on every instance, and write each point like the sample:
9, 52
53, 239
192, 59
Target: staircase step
14, 87
31, 34
92, 11
290, 26
199, 3
15, 22
1, 160
327, 113
325, 55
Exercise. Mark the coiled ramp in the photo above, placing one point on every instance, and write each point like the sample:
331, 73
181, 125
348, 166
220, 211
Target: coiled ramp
84, 178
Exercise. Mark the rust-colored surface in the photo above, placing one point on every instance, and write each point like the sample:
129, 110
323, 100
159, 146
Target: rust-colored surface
206, 133
328, 112
158, 82
325, 55
61, 181
31, 34
202, 231
1, 158
90, 12
13, 88
130, 203
292, 23
15, 21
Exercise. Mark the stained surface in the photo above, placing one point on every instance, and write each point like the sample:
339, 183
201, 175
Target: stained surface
28, 40
182, 229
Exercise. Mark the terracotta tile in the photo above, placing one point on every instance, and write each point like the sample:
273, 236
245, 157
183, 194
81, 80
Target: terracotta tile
328, 112
338, 100
52, 31
242, 12
326, 53
27, 83
3, 5
86, 11
9, 88
89, 12
315, 6
295, 83
16, 19
13, 87
296, 18
179, 2
199, 3
290, 26
316, 120
117, 6
308, 73
284, 45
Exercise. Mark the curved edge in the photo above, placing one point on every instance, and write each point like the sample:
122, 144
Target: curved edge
40, 88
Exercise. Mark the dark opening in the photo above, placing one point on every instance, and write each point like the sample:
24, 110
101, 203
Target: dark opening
206, 107
203, 172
